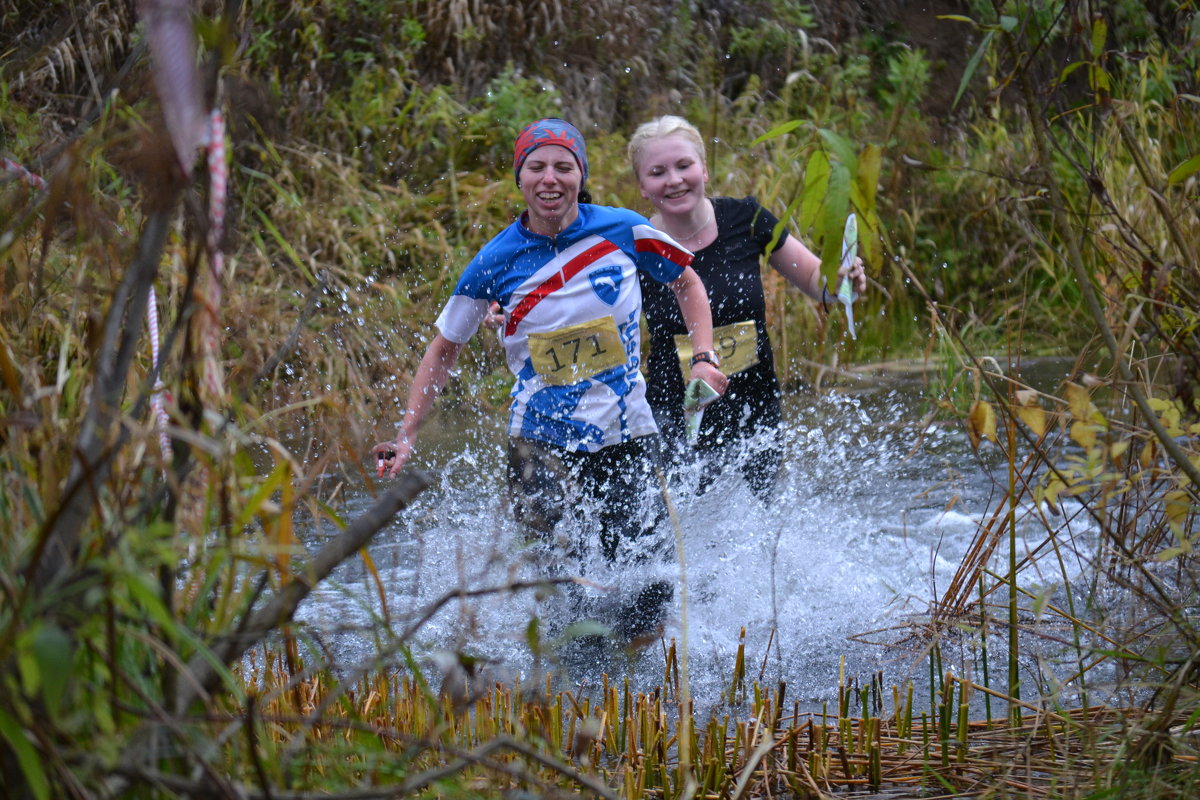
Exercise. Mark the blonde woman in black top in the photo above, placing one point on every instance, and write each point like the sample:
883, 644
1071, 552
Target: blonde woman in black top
728, 237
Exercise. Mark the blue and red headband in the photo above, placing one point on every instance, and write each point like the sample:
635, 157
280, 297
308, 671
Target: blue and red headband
549, 131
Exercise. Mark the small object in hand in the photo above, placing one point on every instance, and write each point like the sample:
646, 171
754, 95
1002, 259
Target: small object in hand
384, 458
846, 294
696, 396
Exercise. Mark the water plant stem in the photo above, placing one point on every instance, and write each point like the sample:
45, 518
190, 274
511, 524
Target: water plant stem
685, 698
1014, 675
983, 652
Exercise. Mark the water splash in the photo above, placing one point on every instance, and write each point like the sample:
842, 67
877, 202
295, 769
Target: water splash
863, 532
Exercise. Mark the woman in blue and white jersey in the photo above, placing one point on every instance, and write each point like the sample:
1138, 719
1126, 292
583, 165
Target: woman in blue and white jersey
566, 277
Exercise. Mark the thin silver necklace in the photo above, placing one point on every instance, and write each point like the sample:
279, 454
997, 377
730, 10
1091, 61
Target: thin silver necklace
707, 219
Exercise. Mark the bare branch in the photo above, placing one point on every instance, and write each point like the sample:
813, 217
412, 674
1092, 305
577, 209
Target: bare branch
93, 449
283, 605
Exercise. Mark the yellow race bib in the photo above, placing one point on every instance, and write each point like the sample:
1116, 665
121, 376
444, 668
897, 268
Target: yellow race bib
736, 346
572, 354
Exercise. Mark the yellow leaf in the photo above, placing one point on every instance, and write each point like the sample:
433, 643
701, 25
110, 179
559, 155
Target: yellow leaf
1118, 450
1034, 417
1050, 495
1084, 434
1146, 457
1177, 506
1027, 397
1172, 552
1170, 418
1079, 400
870, 161
981, 423
1158, 404
1080, 489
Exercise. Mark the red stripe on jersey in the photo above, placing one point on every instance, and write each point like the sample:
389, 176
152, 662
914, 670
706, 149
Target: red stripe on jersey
678, 255
557, 281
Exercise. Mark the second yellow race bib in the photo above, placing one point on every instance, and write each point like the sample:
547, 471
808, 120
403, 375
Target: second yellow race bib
736, 346
569, 355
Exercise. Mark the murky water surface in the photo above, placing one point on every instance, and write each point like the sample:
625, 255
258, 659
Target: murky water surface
873, 515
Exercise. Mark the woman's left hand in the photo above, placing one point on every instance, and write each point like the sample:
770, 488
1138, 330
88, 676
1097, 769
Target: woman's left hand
495, 317
858, 276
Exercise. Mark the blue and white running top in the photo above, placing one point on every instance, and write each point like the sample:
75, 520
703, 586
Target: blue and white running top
572, 305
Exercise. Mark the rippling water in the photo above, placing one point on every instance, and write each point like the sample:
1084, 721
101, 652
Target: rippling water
874, 513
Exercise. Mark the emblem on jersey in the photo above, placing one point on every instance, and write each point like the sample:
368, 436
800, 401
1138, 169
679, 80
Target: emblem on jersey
606, 283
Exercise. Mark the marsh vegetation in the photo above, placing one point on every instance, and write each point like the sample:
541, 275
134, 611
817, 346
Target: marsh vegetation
189, 380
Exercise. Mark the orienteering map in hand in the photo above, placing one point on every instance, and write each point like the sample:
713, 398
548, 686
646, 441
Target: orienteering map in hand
845, 293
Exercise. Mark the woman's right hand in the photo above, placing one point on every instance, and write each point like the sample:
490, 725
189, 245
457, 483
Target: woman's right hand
390, 457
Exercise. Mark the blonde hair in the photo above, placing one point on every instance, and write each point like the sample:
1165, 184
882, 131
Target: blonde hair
658, 128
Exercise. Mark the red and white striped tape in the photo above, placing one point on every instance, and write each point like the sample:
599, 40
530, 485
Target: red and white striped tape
157, 404
31, 178
218, 173
218, 179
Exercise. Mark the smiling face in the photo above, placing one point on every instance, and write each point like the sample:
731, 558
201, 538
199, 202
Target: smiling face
550, 179
672, 174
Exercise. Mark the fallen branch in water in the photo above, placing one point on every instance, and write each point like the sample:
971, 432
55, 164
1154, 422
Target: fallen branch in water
202, 675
